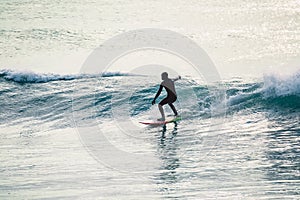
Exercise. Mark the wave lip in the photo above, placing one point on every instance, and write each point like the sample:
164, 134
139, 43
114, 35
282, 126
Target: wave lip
276, 92
276, 85
32, 77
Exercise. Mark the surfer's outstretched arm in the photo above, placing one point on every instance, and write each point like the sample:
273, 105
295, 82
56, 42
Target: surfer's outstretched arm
157, 94
176, 79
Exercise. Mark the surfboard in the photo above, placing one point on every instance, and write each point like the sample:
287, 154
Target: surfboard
155, 122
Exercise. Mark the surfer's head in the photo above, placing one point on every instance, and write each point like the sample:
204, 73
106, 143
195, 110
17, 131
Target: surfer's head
164, 76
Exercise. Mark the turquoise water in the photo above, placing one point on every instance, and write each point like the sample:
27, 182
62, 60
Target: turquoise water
251, 153
68, 135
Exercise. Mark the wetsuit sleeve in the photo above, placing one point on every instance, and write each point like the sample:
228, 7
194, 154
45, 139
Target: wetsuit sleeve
158, 92
176, 79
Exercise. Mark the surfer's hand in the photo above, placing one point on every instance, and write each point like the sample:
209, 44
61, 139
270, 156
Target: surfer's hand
153, 102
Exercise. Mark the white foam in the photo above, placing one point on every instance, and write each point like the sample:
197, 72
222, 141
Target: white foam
276, 84
32, 77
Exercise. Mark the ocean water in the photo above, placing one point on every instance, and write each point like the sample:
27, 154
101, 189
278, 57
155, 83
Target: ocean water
253, 154
241, 37
65, 134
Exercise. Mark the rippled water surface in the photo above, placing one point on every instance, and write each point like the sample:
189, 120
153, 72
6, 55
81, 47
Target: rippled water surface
249, 152
79, 137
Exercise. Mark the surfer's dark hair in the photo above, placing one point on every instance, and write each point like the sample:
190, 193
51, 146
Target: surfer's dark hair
164, 74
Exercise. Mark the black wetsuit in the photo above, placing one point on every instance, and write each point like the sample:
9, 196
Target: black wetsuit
171, 94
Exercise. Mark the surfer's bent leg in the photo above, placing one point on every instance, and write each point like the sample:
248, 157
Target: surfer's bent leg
173, 108
160, 107
161, 110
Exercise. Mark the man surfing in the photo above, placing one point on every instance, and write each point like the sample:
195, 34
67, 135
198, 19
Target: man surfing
169, 86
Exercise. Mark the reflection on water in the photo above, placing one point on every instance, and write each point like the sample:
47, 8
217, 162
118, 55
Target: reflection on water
258, 160
250, 162
170, 162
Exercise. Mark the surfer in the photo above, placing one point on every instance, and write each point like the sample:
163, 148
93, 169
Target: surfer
169, 86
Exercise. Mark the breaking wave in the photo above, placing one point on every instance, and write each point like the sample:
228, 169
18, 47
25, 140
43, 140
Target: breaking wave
32, 77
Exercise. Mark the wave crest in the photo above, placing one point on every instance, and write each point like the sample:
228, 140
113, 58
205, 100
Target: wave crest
32, 77
276, 85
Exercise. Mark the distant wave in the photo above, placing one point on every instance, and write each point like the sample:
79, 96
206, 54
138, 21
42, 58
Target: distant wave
32, 77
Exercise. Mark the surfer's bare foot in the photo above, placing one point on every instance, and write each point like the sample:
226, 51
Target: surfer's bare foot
161, 119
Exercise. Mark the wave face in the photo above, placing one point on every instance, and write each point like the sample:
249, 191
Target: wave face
52, 100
